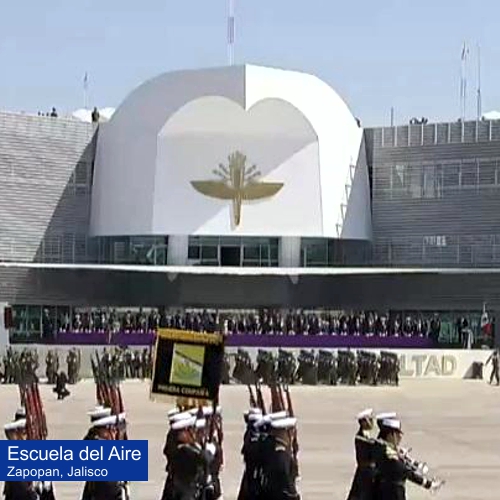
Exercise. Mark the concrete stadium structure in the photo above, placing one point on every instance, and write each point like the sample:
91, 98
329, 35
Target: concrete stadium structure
331, 215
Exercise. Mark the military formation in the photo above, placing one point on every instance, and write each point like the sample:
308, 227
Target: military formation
312, 368
122, 363
20, 365
382, 465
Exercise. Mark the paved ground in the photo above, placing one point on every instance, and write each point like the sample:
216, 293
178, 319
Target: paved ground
451, 424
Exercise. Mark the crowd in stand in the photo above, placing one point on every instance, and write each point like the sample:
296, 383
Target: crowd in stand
266, 322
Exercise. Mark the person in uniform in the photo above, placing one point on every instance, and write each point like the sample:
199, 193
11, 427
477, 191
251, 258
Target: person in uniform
362, 484
104, 428
189, 463
279, 466
18, 490
250, 451
96, 414
393, 469
495, 362
60, 388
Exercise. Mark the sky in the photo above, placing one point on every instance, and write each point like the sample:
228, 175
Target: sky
404, 54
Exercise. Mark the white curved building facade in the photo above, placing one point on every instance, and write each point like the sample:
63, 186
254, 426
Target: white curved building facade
239, 151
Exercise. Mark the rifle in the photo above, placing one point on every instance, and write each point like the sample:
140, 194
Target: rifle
293, 432
260, 398
277, 403
253, 401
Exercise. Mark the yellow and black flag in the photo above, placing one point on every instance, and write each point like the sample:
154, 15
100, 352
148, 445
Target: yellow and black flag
187, 364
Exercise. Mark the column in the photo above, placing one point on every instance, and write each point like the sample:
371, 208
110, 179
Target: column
289, 252
177, 253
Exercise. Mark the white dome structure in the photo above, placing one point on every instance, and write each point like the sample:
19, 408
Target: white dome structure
241, 150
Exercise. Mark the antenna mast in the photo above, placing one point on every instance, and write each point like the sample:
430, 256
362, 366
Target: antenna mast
479, 97
230, 33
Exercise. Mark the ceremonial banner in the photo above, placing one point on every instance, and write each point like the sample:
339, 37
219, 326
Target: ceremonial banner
187, 364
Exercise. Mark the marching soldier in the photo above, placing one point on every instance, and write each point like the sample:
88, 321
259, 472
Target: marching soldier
279, 468
18, 490
24, 490
362, 484
96, 414
393, 470
495, 362
250, 485
104, 428
188, 462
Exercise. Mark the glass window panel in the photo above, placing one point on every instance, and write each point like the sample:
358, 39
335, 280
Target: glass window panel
80, 248
468, 174
20, 318
451, 176
415, 181
487, 173
194, 252
52, 248
34, 317
209, 252
68, 248
429, 182
399, 177
251, 252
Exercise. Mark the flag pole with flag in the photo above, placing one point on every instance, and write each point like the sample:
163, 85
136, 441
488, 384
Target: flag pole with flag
230, 33
86, 90
463, 81
485, 322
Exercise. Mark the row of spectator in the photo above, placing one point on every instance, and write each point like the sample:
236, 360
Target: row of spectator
267, 322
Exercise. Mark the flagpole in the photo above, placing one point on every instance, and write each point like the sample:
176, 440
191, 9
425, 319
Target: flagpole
86, 91
230, 33
479, 97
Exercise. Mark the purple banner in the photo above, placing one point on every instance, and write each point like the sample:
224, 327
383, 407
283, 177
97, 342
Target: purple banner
248, 340
328, 341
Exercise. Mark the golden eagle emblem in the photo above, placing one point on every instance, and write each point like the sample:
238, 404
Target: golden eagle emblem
237, 183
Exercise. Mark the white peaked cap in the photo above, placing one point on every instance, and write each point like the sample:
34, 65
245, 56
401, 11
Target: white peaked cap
206, 410
368, 413
278, 415
262, 421
253, 417
172, 412
392, 423
284, 423
18, 424
381, 416
180, 416
254, 411
184, 424
99, 412
106, 421
200, 423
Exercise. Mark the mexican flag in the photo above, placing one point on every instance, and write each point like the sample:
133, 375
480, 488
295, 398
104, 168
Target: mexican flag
485, 322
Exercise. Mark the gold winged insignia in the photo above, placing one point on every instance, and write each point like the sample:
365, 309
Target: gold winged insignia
237, 183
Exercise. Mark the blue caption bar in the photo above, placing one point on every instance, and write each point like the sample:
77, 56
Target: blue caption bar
74, 460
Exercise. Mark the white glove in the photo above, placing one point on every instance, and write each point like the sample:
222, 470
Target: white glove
436, 485
423, 468
210, 447
47, 485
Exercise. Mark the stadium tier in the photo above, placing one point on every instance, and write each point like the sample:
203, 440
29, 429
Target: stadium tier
249, 187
